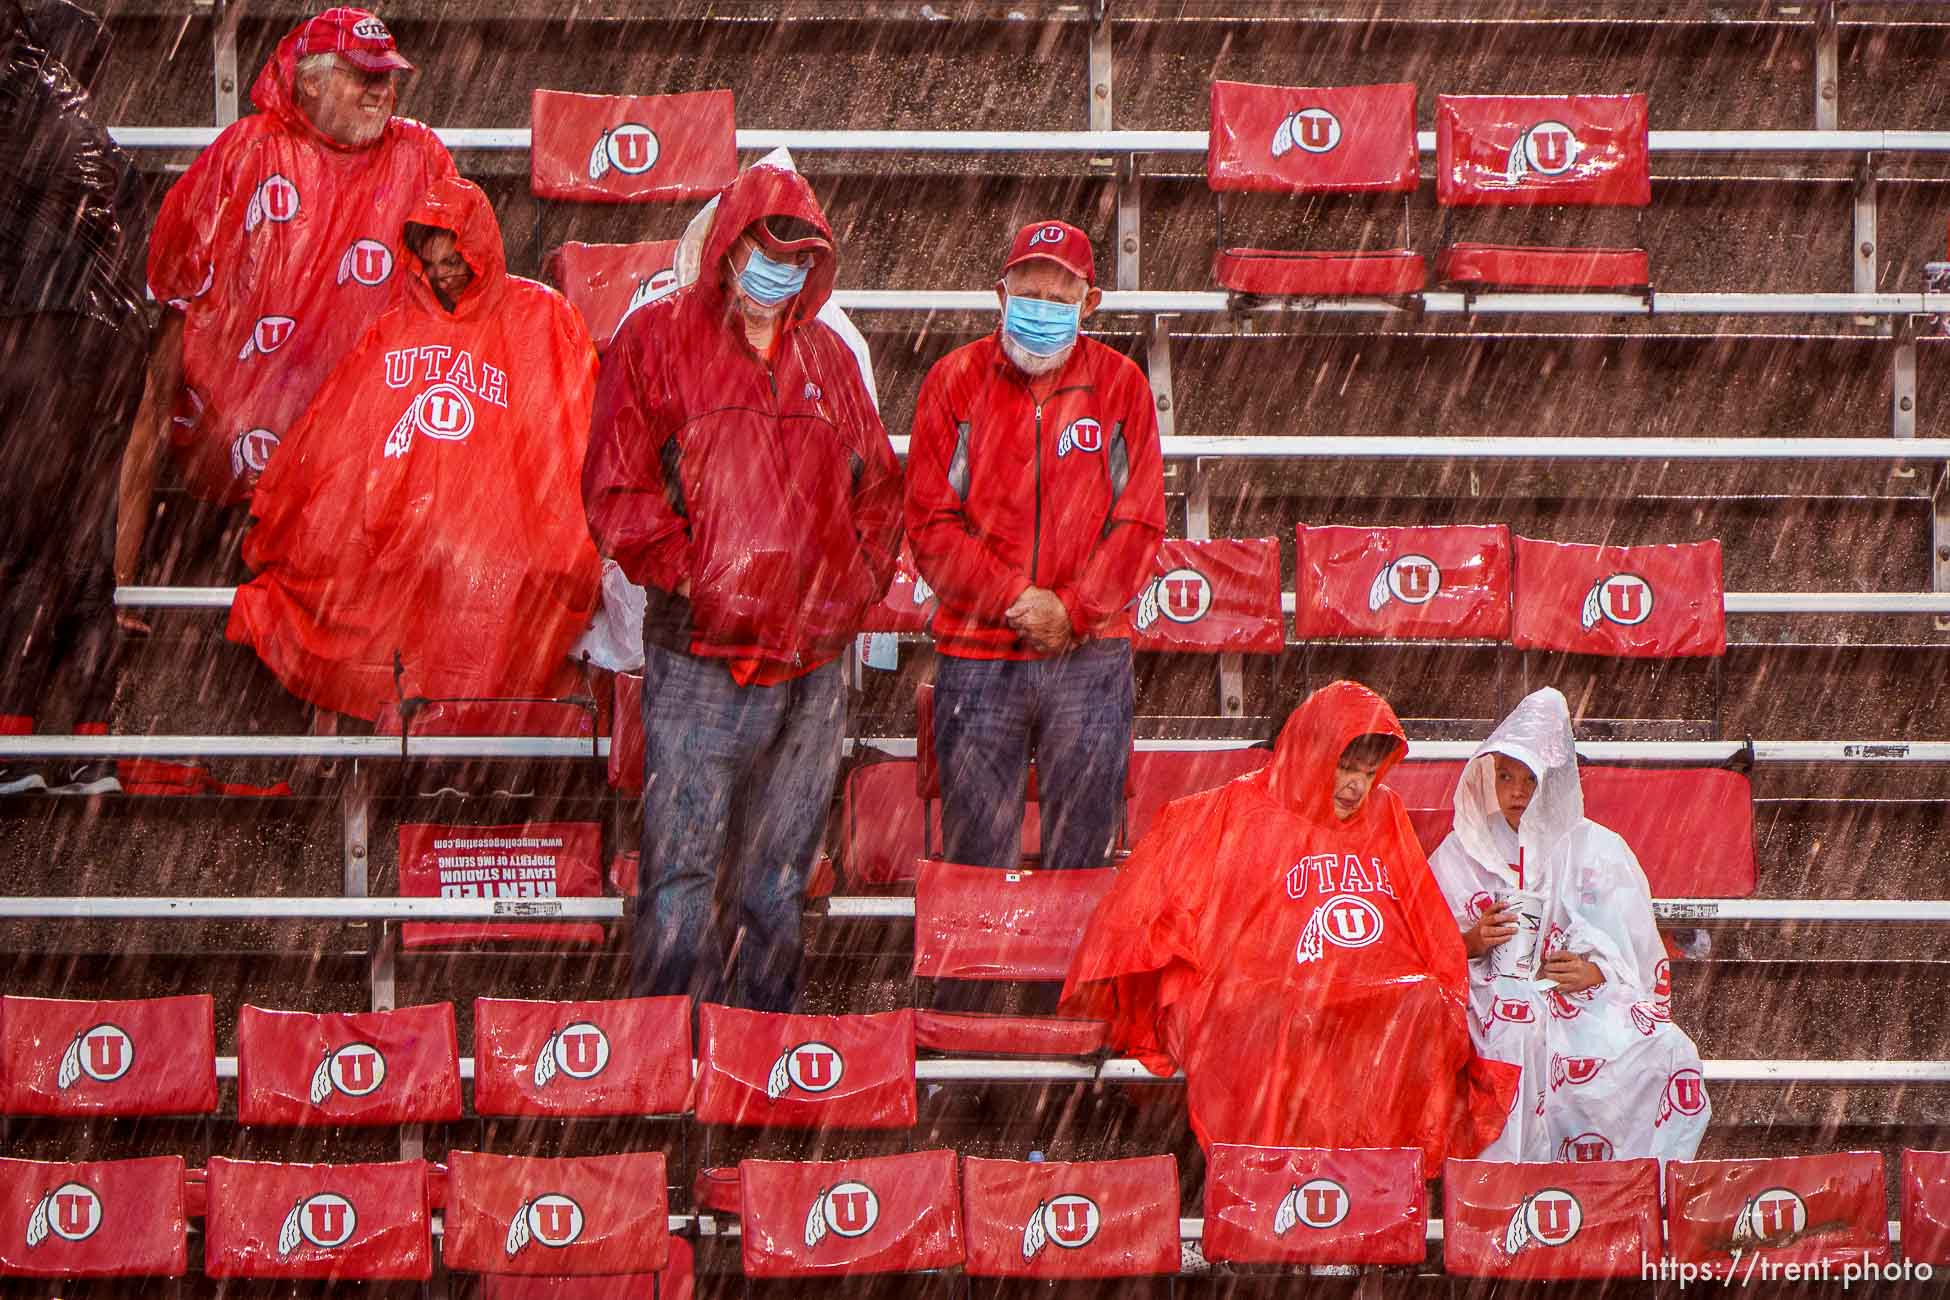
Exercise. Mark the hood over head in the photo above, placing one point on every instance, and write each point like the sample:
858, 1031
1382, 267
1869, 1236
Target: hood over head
1301, 775
1538, 734
760, 192
275, 92
458, 205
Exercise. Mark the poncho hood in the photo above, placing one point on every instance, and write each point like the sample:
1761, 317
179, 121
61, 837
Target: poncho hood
458, 205
275, 92
1537, 734
1301, 775
758, 193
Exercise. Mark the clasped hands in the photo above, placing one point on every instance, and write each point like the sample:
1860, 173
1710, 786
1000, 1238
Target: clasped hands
1498, 924
1039, 618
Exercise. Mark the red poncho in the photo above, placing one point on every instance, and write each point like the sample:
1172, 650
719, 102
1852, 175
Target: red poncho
280, 248
1303, 971
428, 502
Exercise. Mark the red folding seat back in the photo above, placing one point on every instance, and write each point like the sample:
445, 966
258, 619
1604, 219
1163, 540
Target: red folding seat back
974, 1033
1542, 150
150, 1056
1428, 791
1314, 140
982, 924
1692, 829
342, 1222
769, 1069
606, 282
560, 1217
880, 823
632, 148
1638, 602
105, 1218
1549, 1221
882, 1214
1159, 776
1289, 1205
631, 1056
533, 860
1926, 1208
1213, 597
909, 603
361, 1068
1050, 1219
1802, 1210
1549, 150
626, 734
676, 1281
1439, 583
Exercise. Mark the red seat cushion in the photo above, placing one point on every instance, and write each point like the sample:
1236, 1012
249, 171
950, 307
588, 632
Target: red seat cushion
105, 1218
769, 1069
984, 924
631, 148
1926, 1207
1516, 266
1085, 1219
1446, 582
606, 282
1640, 602
1162, 775
558, 1217
875, 1214
1282, 273
1806, 1210
629, 1056
151, 1056
973, 1033
1212, 596
1286, 1205
534, 860
1561, 1220
339, 1222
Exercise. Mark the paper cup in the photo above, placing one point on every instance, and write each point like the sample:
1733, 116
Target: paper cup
1517, 958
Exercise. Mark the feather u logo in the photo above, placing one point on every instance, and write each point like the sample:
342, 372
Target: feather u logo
71, 1212
355, 1070
1548, 149
631, 148
1070, 1221
579, 1051
1547, 1218
553, 1219
1622, 598
1312, 130
810, 1067
1317, 1203
844, 1209
103, 1053
1411, 579
324, 1220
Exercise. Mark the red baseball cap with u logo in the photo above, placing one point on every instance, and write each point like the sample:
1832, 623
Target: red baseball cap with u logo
1054, 241
357, 36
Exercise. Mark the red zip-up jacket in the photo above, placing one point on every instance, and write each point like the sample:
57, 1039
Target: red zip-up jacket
771, 487
1005, 492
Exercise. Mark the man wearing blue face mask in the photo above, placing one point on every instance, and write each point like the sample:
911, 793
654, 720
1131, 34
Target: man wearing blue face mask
739, 473
1035, 505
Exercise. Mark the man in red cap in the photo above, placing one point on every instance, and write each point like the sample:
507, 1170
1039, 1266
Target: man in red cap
273, 254
1035, 504
739, 473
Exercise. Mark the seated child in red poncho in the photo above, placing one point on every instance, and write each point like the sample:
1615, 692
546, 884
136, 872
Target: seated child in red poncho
1281, 940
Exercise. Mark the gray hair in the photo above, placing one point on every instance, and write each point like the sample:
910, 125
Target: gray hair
313, 65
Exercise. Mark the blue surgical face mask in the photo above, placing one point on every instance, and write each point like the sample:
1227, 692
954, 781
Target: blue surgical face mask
770, 283
1041, 328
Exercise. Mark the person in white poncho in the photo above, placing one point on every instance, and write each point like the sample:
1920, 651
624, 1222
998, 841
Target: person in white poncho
1568, 978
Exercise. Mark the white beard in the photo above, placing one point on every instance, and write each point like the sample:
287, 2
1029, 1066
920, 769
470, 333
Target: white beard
1028, 362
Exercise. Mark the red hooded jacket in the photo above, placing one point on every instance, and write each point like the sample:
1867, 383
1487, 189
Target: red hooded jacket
426, 503
1005, 492
1303, 971
279, 247
771, 487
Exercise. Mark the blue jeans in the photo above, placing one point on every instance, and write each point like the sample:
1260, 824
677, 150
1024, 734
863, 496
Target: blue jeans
1073, 713
737, 781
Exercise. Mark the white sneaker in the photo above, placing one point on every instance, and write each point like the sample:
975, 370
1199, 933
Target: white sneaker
90, 778
21, 780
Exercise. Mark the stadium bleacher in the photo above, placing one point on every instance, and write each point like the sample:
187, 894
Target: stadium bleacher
1773, 392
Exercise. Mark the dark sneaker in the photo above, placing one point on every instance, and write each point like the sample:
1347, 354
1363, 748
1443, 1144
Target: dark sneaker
20, 780
89, 778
